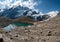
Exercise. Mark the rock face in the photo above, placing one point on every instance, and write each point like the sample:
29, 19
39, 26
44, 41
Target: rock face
46, 31
1, 39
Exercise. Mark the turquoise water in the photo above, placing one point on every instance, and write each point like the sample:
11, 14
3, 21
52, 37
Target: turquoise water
15, 24
21, 24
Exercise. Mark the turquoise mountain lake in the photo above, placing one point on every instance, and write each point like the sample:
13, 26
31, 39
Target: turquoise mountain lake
16, 24
21, 24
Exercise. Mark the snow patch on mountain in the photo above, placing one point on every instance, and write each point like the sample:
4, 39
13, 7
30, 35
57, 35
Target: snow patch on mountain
53, 13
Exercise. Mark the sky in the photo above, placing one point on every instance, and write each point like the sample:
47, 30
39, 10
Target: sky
49, 5
41, 5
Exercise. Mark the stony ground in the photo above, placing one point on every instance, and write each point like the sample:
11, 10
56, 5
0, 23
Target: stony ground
46, 31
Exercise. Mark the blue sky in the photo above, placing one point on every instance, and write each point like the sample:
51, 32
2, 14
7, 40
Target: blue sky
47, 5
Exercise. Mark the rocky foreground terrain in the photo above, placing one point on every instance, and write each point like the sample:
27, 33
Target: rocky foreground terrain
43, 31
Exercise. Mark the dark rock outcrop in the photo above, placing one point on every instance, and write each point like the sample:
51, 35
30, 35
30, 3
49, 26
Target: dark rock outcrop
1, 39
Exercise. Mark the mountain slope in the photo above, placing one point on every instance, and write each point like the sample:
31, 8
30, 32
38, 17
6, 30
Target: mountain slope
12, 12
45, 31
4, 22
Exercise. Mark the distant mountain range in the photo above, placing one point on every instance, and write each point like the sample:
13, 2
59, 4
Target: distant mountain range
19, 11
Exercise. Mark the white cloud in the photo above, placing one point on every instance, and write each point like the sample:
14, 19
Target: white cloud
53, 13
30, 3
2, 5
7, 3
